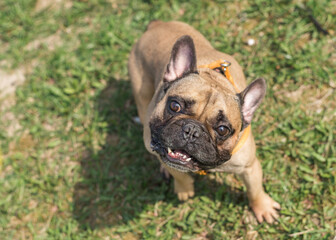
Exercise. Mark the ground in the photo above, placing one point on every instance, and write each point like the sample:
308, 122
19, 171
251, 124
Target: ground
72, 161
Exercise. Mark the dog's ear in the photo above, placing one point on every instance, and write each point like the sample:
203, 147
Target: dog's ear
182, 59
250, 99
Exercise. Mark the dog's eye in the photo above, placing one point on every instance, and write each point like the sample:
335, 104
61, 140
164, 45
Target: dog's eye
223, 130
175, 106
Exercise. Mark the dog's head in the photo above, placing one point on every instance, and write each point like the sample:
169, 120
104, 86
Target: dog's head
198, 115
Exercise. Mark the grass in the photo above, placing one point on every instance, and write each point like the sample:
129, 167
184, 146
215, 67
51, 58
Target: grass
75, 167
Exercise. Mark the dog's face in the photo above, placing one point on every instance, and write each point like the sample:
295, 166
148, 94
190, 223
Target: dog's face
198, 116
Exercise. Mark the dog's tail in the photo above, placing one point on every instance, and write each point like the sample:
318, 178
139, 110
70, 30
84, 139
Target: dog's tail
153, 23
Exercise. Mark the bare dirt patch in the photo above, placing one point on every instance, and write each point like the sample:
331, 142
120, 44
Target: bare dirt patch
51, 42
10, 80
52, 4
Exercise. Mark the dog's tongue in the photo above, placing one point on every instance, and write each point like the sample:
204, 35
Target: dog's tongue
179, 155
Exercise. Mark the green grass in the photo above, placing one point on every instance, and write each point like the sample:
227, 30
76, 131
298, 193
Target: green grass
76, 167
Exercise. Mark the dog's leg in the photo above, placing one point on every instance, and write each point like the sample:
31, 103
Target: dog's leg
165, 174
263, 206
183, 183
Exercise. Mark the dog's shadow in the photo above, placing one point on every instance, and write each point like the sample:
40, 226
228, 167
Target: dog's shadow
121, 179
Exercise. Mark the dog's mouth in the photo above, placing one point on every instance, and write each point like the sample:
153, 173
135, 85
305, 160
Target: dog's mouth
181, 160
178, 156
185, 155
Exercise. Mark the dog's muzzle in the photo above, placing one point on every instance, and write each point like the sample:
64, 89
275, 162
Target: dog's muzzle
185, 144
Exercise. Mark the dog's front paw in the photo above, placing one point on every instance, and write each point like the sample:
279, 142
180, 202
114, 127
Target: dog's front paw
183, 196
184, 190
265, 207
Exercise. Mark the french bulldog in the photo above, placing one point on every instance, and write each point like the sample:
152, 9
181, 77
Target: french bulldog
195, 119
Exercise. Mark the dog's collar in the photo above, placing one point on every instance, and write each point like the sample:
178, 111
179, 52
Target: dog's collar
223, 66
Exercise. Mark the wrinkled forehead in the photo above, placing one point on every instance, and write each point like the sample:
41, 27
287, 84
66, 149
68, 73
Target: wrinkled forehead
201, 85
208, 98
222, 107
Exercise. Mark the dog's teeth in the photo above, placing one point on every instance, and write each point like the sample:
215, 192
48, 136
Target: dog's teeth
188, 159
169, 150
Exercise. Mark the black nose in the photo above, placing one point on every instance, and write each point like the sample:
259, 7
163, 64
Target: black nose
191, 132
